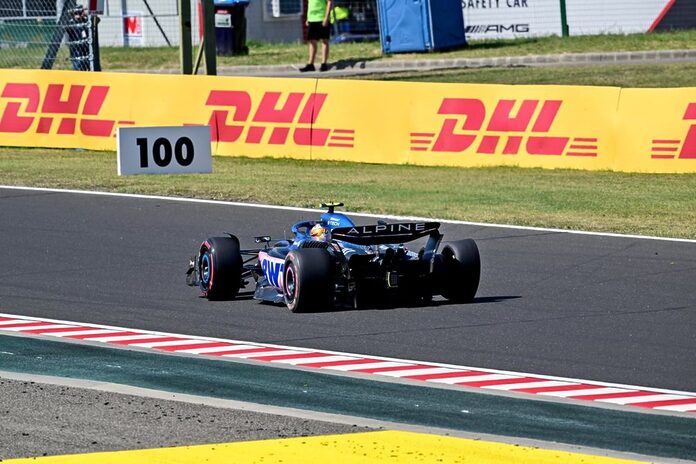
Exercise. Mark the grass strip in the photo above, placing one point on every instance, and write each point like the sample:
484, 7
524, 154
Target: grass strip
261, 53
657, 75
646, 204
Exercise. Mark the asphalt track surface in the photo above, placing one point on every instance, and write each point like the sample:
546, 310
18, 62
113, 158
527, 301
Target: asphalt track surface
611, 309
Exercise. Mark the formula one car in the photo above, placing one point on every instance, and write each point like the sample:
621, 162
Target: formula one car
334, 263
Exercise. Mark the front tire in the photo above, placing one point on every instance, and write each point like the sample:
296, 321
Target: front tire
461, 267
308, 282
220, 268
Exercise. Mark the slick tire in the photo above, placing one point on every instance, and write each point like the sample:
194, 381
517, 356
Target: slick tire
220, 268
308, 280
461, 270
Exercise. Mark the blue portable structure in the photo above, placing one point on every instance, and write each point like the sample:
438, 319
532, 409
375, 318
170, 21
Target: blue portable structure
230, 2
420, 25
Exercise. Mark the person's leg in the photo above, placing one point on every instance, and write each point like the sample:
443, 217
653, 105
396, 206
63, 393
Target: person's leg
312, 55
325, 36
324, 51
312, 51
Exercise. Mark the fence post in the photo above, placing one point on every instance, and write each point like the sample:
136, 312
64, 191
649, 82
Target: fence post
96, 55
185, 47
565, 30
209, 37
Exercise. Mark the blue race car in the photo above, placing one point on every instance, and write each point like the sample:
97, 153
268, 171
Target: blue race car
334, 263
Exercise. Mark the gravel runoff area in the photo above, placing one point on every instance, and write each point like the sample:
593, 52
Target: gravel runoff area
42, 419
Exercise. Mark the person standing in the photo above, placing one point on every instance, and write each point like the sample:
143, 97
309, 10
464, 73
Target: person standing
318, 30
78, 39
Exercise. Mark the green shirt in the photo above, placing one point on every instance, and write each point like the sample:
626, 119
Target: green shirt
316, 11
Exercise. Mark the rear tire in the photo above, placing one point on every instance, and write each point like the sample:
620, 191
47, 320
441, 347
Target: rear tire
308, 282
461, 271
220, 268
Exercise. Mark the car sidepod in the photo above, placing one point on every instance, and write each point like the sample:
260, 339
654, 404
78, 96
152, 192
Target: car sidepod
270, 285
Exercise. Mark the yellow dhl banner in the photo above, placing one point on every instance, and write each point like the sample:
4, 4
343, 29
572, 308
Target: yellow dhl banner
465, 125
656, 130
473, 125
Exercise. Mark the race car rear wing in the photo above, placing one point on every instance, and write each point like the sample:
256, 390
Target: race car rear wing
382, 234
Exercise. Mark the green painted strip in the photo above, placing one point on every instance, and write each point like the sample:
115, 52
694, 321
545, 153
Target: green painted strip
648, 434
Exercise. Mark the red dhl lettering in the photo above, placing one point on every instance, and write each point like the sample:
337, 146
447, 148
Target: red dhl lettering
689, 148
668, 148
517, 123
275, 120
27, 107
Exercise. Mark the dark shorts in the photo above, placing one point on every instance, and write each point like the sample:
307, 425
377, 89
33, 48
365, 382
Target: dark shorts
315, 31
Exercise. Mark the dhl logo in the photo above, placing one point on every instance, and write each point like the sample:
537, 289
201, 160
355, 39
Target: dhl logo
275, 120
28, 109
668, 148
506, 131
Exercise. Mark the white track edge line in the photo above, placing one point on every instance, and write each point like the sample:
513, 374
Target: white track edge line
360, 356
378, 216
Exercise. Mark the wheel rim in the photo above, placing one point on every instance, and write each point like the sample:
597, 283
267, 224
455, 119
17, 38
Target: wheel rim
206, 269
290, 283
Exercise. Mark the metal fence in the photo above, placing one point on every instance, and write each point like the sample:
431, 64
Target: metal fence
46, 34
355, 20
144, 23
57, 34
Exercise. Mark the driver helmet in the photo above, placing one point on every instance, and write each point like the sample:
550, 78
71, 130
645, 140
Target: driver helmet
318, 232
